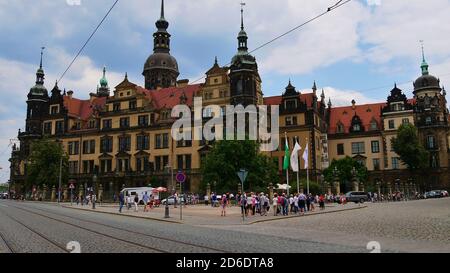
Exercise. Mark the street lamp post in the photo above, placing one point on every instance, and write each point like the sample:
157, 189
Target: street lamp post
94, 181
60, 179
166, 211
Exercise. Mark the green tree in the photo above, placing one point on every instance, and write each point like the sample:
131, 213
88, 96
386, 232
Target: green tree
408, 147
44, 163
227, 157
345, 167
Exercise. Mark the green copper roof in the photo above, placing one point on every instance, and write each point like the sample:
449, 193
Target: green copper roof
103, 80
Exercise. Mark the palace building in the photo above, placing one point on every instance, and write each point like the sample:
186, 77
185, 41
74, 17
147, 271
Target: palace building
122, 134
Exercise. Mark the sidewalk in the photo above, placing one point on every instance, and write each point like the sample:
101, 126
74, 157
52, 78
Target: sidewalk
206, 215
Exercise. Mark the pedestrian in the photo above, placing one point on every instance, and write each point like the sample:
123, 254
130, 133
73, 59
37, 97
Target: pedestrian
129, 202
308, 202
249, 204
206, 200
312, 201
146, 199
296, 204
291, 203
121, 201
302, 203
81, 200
224, 204
253, 205
322, 202
136, 202
275, 204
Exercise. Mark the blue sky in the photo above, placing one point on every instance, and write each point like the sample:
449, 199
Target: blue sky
351, 52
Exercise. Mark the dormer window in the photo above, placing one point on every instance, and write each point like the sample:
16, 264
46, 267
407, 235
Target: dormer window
340, 128
356, 124
54, 109
291, 104
373, 126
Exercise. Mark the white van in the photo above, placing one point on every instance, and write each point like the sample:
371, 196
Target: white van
140, 192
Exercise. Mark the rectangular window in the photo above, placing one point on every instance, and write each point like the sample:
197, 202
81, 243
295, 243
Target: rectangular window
116, 107
288, 121
165, 141
375, 147
143, 142
59, 127
358, 148
106, 145
74, 148
133, 105
73, 167
405, 121
92, 124
158, 141
48, 128
124, 122
106, 166
431, 142
376, 164
180, 162
392, 124
340, 149
157, 163
188, 162
125, 144
395, 163
165, 161
143, 121
107, 124
54, 110
88, 166
89, 147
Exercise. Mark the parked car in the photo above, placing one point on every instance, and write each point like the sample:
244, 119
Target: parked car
432, 194
357, 197
172, 200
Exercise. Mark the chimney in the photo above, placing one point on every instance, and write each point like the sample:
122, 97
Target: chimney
183, 83
92, 97
70, 94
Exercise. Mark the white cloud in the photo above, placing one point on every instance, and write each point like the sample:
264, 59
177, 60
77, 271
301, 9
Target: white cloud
341, 97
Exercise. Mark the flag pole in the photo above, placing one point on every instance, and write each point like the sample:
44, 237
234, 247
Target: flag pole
298, 170
287, 169
307, 169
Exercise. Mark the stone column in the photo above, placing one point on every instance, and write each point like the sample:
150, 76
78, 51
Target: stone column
81, 191
53, 196
379, 189
302, 190
355, 180
270, 192
362, 187
337, 185
208, 190
100, 192
328, 188
44, 193
65, 194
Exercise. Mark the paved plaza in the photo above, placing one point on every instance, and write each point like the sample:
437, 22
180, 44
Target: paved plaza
414, 226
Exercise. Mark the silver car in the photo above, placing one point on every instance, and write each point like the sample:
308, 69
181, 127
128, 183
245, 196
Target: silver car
357, 196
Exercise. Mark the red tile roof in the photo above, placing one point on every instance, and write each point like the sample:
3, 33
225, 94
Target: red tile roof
170, 97
304, 97
366, 113
82, 109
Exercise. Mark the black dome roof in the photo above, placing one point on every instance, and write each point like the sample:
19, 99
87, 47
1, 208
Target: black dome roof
161, 61
426, 82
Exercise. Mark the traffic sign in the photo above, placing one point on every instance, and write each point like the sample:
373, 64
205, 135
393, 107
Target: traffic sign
71, 186
181, 177
242, 175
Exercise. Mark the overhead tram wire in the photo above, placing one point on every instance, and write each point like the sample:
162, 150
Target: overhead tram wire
329, 9
88, 40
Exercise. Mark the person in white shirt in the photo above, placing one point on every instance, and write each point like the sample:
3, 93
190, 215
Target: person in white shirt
275, 204
296, 204
291, 203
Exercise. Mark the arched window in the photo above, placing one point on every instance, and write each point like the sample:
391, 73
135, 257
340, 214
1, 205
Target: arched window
340, 128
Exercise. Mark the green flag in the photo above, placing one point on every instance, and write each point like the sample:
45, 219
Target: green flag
286, 157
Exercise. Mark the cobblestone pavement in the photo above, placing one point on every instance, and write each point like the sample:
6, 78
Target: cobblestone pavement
206, 215
38, 227
414, 226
